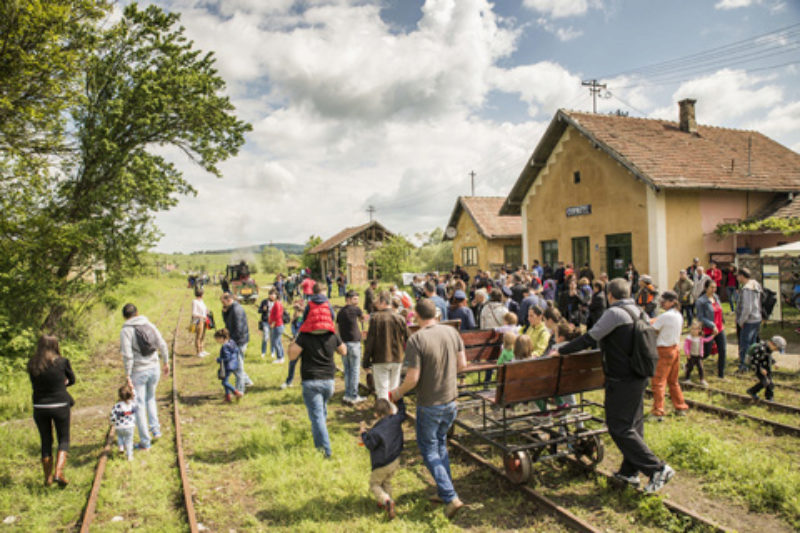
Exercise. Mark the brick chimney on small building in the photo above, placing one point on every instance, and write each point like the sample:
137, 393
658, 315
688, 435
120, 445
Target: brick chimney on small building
687, 120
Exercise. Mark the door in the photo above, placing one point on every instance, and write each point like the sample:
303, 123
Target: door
580, 252
618, 254
512, 255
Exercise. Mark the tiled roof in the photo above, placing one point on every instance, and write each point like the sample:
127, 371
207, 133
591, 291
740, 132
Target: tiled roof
790, 210
344, 235
658, 153
484, 211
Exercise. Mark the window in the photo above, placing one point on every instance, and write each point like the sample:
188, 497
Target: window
580, 252
576, 177
550, 252
469, 256
512, 255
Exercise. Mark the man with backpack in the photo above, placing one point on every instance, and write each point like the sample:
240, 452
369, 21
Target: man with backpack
629, 356
748, 314
140, 342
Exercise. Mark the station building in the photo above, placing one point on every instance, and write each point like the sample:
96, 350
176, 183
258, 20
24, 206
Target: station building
607, 190
482, 238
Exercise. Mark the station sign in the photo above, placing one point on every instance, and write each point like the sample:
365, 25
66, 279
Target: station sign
579, 210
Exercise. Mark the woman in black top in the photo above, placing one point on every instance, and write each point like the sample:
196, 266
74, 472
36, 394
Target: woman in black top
50, 376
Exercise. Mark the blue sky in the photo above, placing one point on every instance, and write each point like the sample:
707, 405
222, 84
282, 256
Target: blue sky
393, 102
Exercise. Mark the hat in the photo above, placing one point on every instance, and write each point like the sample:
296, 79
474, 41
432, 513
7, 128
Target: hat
506, 291
646, 278
459, 295
779, 343
669, 295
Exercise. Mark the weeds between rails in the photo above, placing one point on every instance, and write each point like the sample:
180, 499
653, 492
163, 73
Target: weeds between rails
771, 405
91, 503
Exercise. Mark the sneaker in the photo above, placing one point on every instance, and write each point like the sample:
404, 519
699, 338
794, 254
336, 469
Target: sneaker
285, 385
278, 361
390, 512
141, 447
358, 399
202, 354
704, 384
659, 479
452, 508
156, 435
630, 480
263, 355
754, 397
347, 400
686, 382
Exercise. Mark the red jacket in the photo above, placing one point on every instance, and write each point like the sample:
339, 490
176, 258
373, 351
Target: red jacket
276, 314
318, 316
308, 286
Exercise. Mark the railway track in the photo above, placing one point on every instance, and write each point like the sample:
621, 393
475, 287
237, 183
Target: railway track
772, 406
777, 427
89, 511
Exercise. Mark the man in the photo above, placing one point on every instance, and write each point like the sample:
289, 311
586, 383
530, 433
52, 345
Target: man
307, 286
624, 390
748, 313
691, 270
684, 288
235, 319
699, 280
348, 323
668, 325
430, 293
533, 299
586, 272
435, 354
517, 288
383, 350
140, 342
369, 297
317, 369
646, 295
264, 308
538, 270
478, 301
461, 312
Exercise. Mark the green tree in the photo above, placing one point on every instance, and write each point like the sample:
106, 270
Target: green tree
309, 260
392, 258
273, 260
145, 86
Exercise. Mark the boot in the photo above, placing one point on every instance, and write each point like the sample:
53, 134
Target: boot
47, 467
61, 461
227, 398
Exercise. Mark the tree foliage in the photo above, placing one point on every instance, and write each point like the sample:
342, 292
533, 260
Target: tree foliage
92, 207
273, 260
309, 260
787, 226
392, 257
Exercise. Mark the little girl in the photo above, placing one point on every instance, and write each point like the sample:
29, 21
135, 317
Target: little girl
229, 361
507, 355
693, 348
123, 416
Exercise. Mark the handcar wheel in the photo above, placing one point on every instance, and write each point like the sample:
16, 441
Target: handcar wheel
589, 450
518, 466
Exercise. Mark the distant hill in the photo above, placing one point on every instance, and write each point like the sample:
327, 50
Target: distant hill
285, 247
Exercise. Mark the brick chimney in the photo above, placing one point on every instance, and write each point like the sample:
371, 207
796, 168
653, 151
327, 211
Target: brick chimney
687, 121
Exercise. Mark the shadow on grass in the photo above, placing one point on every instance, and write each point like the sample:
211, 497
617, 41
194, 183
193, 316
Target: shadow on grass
200, 399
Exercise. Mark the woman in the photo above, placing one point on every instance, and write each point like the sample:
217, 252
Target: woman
598, 304
199, 314
50, 376
632, 275
708, 310
492, 313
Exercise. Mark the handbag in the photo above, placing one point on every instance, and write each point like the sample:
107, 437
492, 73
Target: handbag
221, 371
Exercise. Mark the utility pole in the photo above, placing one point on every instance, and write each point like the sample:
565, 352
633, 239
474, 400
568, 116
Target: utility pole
594, 88
371, 211
472, 180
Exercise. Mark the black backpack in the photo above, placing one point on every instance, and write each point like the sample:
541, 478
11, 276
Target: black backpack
768, 300
146, 339
644, 351
285, 316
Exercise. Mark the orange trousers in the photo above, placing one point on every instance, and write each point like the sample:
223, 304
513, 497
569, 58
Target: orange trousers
667, 370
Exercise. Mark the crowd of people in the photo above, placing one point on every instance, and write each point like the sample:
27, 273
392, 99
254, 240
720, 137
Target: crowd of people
541, 311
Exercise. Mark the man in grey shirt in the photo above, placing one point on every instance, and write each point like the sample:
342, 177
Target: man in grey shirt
624, 390
435, 354
748, 313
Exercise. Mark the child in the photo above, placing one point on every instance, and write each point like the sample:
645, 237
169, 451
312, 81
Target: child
509, 324
507, 355
384, 442
229, 359
693, 348
124, 419
523, 348
759, 355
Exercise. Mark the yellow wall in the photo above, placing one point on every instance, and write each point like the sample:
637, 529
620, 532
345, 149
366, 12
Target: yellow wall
618, 200
489, 251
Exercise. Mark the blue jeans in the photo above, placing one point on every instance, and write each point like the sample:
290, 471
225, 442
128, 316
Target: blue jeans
290, 375
352, 366
145, 383
732, 298
747, 337
265, 339
242, 379
316, 393
125, 440
277, 344
225, 384
432, 425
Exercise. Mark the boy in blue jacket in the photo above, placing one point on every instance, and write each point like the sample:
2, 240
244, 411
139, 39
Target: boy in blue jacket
384, 442
229, 354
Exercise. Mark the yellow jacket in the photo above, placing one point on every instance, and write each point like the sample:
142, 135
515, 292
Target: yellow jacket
540, 336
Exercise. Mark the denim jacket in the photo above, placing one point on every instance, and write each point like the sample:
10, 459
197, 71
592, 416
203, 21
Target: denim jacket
704, 309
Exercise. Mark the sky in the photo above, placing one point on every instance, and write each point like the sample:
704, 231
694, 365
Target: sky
392, 103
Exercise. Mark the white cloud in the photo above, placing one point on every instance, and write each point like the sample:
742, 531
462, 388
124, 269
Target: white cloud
773, 5
562, 8
563, 34
544, 86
